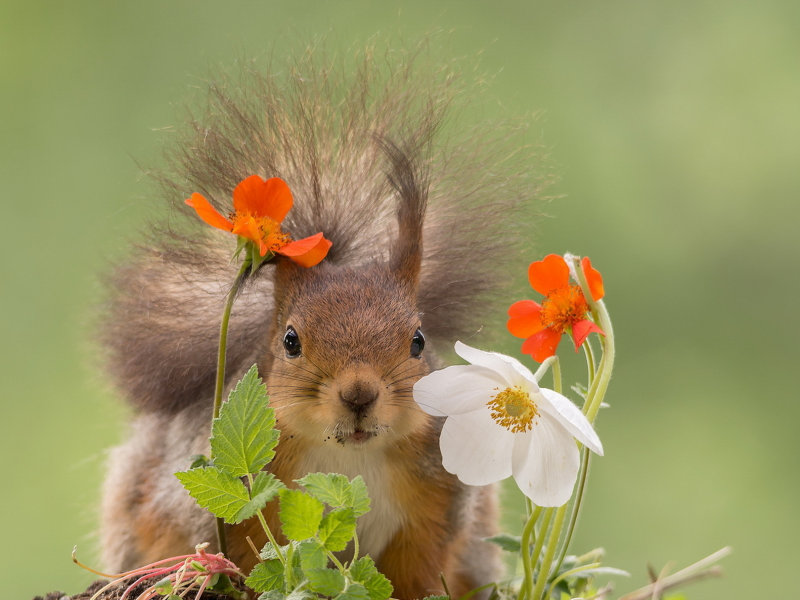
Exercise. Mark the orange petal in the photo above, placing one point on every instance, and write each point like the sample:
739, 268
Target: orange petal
309, 251
208, 213
271, 198
582, 329
549, 274
542, 345
593, 278
248, 228
526, 319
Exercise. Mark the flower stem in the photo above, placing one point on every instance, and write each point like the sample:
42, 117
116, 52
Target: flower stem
537, 548
552, 543
592, 367
221, 354
600, 384
528, 531
557, 375
576, 506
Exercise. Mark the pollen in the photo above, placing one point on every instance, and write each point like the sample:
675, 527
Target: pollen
268, 229
513, 409
564, 307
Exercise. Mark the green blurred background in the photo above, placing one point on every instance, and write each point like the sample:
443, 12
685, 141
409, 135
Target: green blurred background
676, 126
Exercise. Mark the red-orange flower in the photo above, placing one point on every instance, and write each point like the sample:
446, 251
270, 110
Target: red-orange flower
563, 310
259, 208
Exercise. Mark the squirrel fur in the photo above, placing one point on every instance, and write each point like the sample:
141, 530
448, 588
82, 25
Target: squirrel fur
421, 224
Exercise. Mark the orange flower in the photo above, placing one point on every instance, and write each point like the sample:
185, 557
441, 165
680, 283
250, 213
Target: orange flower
259, 208
563, 310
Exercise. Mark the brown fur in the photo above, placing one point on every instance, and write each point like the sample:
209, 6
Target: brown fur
420, 232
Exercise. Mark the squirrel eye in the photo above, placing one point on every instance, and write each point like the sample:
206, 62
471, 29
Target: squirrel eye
291, 343
417, 344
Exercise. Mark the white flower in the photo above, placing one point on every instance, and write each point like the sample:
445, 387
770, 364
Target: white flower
501, 423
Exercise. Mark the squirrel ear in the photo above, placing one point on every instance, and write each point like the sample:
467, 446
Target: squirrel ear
408, 177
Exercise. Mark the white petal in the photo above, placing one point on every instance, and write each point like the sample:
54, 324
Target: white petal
546, 462
509, 368
457, 390
476, 448
571, 417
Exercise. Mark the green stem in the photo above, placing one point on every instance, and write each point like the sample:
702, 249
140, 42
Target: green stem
266, 528
537, 548
222, 351
557, 375
600, 384
355, 547
552, 544
333, 558
592, 367
527, 532
576, 506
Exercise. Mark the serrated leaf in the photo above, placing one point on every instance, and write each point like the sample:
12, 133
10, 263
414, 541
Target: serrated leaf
266, 576
312, 555
244, 435
265, 487
300, 593
338, 491
360, 503
508, 542
337, 529
272, 595
300, 514
364, 572
218, 492
328, 582
355, 591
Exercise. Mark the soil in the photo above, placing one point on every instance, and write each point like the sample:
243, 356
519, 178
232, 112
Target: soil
115, 593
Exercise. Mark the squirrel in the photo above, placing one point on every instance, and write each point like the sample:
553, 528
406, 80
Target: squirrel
421, 224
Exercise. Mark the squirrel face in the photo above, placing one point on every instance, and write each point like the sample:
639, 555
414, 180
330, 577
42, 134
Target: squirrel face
344, 353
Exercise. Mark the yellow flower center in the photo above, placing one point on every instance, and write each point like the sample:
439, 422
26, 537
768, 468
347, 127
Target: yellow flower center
514, 409
563, 308
268, 229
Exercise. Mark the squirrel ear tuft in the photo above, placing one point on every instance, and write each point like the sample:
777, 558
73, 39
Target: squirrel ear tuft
408, 177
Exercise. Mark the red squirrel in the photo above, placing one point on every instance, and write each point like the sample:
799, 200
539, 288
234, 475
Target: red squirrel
422, 221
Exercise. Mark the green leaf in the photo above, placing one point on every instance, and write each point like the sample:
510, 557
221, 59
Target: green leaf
300, 514
218, 492
599, 571
337, 529
508, 542
364, 572
360, 496
337, 491
272, 595
328, 582
312, 555
244, 435
355, 591
266, 576
265, 487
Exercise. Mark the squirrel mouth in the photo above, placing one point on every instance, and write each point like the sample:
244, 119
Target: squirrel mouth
355, 436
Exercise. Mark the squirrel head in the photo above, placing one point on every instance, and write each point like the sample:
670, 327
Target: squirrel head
345, 351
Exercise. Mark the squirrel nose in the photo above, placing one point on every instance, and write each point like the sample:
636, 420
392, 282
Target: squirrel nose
359, 396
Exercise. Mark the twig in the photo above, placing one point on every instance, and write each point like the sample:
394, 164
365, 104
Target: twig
702, 569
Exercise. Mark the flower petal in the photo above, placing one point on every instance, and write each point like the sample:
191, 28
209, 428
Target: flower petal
208, 213
542, 345
476, 448
570, 416
582, 329
271, 198
526, 319
308, 251
548, 274
545, 462
501, 364
593, 278
457, 390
